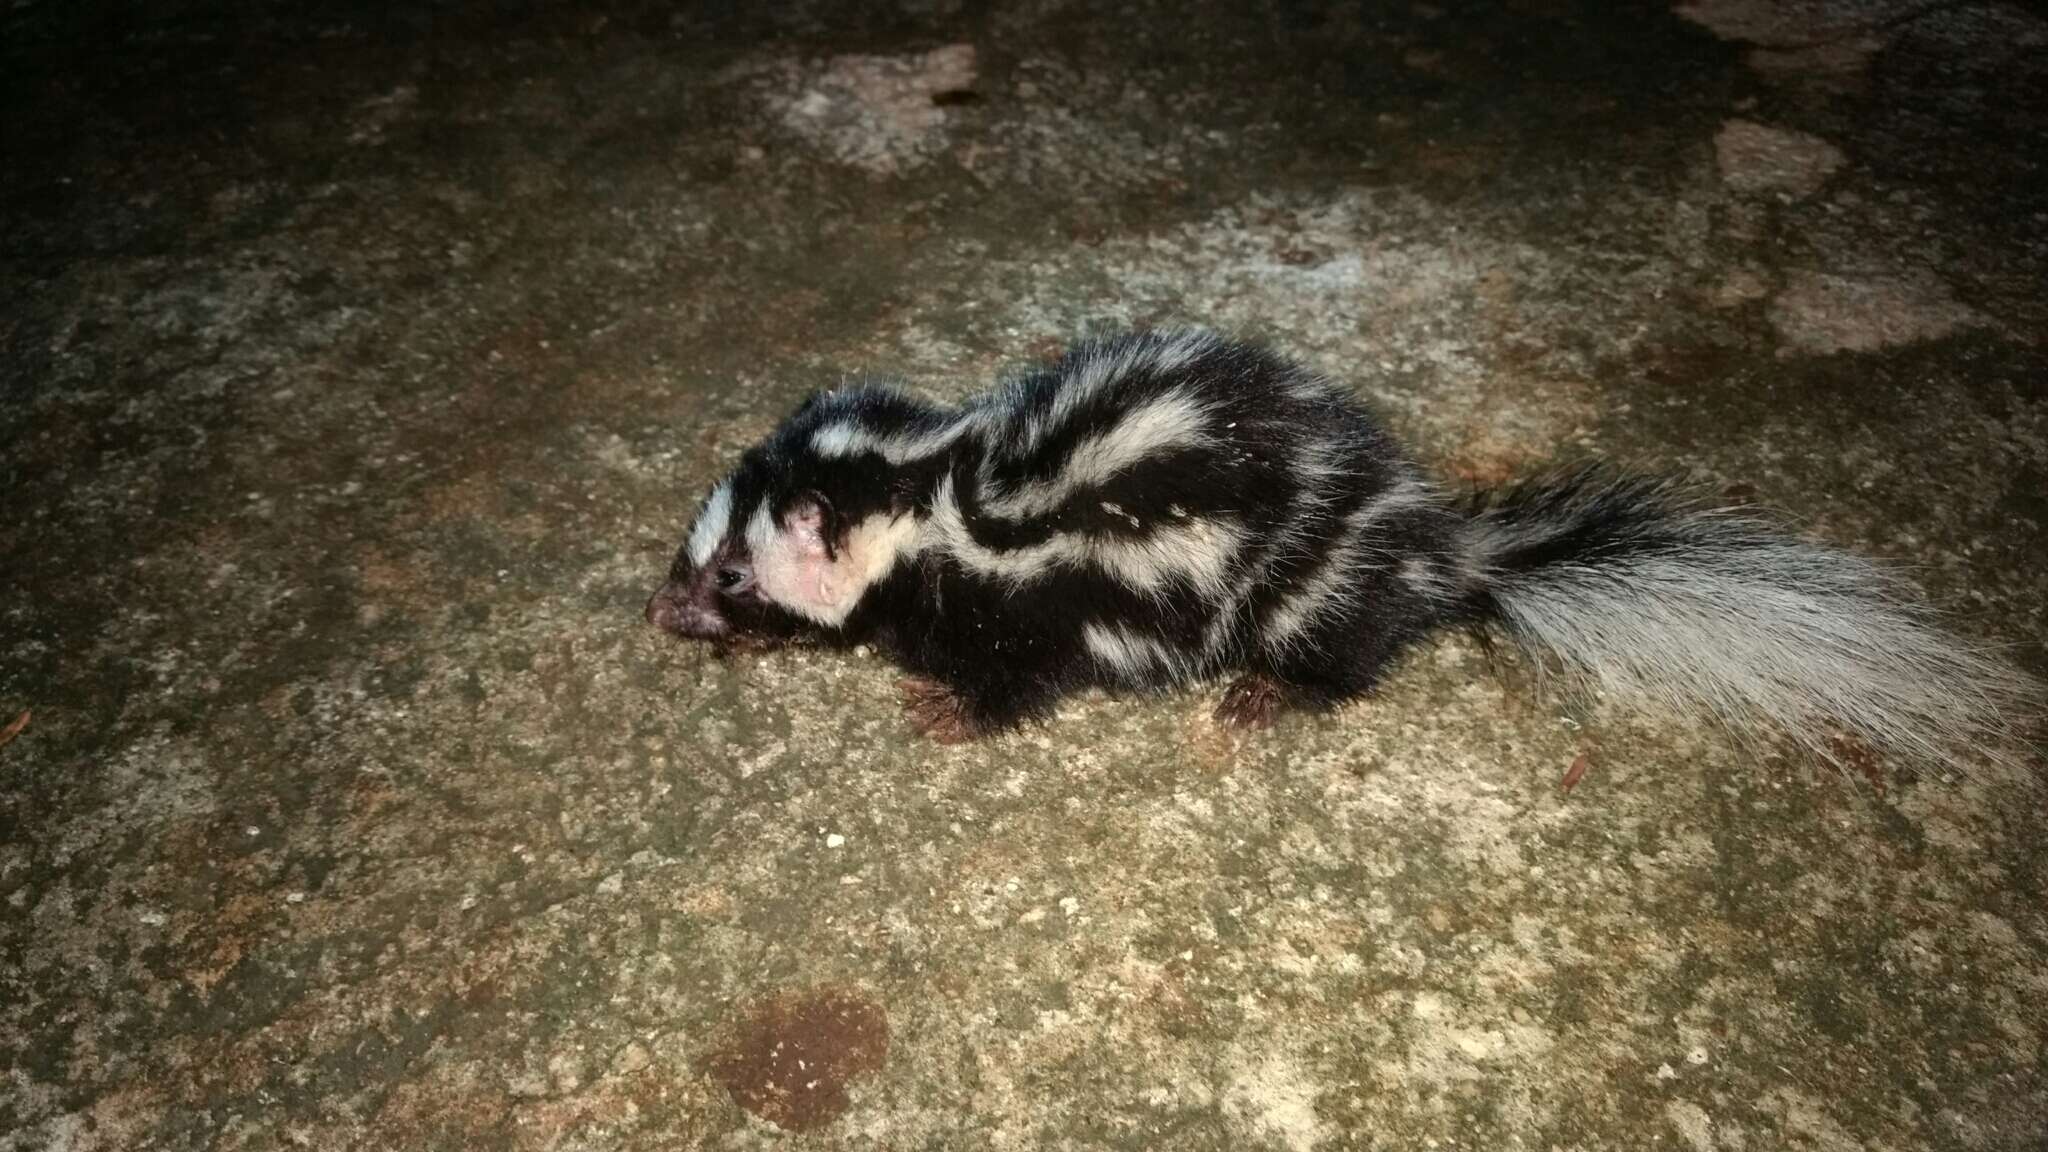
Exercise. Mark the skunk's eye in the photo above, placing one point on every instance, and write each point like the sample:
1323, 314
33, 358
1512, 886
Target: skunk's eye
734, 579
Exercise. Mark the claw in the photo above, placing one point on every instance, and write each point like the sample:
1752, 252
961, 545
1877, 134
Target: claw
937, 711
1250, 702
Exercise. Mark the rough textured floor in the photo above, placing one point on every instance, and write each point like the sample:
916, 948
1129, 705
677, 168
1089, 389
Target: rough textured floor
360, 370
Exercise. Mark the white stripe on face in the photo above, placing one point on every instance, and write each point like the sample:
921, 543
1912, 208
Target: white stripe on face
711, 524
761, 529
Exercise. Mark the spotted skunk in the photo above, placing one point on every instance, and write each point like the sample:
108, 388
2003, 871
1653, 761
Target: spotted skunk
1156, 509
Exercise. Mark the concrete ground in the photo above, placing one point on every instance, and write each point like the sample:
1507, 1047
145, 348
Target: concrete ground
361, 366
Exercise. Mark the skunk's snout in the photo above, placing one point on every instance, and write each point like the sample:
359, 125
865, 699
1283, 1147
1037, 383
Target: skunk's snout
662, 610
674, 610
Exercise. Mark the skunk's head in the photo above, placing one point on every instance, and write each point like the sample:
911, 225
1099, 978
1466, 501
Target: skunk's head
787, 546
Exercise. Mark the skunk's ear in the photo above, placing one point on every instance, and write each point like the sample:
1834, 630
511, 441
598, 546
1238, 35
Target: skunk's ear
810, 522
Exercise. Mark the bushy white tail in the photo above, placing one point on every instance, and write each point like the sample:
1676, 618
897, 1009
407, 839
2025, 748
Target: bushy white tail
1650, 594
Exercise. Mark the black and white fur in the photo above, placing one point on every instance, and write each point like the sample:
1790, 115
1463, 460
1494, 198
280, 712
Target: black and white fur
1161, 508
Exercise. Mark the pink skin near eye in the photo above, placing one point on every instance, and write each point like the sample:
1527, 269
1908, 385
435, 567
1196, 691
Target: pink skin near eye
790, 562
797, 565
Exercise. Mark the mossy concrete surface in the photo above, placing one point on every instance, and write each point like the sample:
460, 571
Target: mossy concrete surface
362, 364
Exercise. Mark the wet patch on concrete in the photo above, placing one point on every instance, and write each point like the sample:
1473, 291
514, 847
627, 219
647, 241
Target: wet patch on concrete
792, 1058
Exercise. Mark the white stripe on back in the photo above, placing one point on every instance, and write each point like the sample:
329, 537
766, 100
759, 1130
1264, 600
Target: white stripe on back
1166, 422
1192, 549
1323, 588
847, 438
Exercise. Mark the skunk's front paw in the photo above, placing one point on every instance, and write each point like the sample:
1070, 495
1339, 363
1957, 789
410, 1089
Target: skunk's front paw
1251, 701
937, 711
